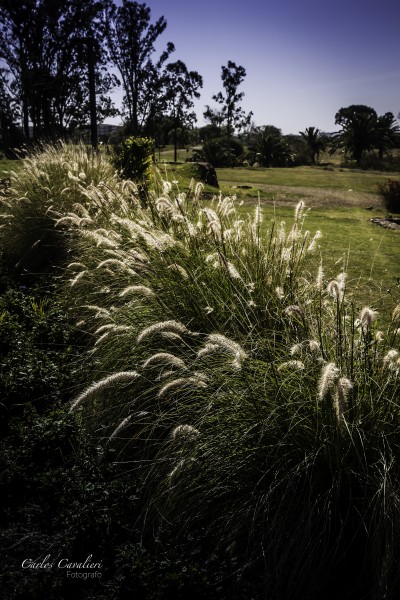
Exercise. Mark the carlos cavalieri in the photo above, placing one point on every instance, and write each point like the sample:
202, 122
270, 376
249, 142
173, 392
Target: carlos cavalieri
73, 568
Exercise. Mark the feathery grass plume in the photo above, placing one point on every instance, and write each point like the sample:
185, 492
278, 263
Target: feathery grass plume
293, 365
184, 432
233, 273
280, 294
213, 259
100, 240
77, 278
171, 336
177, 468
179, 269
343, 388
101, 312
315, 347
320, 278
296, 349
121, 426
165, 358
104, 328
294, 311
229, 346
182, 382
390, 359
225, 207
299, 210
313, 244
208, 349
333, 289
214, 223
115, 329
396, 313
330, 374
379, 337
141, 290
120, 377
367, 317
166, 206
162, 326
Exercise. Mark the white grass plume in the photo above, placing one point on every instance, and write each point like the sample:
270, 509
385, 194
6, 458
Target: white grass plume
329, 375
229, 346
141, 290
340, 399
121, 426
173, 326
367, 317
165, 358
121, 376
182, 382
184, 432
292, 365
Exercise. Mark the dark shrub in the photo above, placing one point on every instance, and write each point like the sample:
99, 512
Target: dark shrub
390, 192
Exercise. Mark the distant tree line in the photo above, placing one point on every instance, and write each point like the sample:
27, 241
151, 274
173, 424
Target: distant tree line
45, 49
44, 54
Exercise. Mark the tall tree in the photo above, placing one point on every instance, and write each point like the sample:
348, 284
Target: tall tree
182, 87
130, 37
43, 48
314, 141
358, 130
231, 113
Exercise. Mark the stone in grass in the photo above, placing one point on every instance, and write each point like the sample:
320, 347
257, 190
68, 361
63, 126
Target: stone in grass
200, 171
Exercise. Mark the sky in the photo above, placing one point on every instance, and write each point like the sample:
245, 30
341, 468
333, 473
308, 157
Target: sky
304, 59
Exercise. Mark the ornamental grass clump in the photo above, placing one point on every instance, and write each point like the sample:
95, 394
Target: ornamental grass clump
260, 404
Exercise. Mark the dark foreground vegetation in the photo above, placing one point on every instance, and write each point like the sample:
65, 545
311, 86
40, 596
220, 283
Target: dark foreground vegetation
187, 399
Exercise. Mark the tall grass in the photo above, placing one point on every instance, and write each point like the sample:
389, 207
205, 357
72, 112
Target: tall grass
244, 389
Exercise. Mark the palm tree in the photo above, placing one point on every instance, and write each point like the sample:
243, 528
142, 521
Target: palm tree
315, 143
268, 148
387, 133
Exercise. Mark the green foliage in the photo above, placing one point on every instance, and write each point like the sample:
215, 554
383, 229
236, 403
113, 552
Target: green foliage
39, 350
220, 152
130, 39
51, 185
315, 143
134, 159
390, 191
363, 131
268, 148
259, 400
44, 56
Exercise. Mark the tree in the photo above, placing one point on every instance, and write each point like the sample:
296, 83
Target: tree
358, 130
43, 47
130, 38
314, 141
268, 148
182, 87
231, 112
363, 131
387, 133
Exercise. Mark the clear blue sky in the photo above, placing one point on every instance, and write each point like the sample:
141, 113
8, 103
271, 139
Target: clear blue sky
305, 59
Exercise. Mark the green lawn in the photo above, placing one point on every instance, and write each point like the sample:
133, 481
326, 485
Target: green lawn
313, 177
350, 242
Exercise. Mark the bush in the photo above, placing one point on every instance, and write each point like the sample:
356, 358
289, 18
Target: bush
52, 184
390, 191
133, 159
219, 153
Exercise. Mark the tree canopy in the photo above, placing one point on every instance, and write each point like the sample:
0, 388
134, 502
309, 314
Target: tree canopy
43, 49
